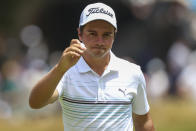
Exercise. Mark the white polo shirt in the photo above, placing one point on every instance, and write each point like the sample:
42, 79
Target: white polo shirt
102, 103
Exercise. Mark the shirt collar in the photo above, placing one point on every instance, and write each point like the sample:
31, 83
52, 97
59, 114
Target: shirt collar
113, 64
83, 67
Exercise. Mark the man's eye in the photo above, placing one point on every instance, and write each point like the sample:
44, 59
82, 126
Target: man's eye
93, 34
107, 35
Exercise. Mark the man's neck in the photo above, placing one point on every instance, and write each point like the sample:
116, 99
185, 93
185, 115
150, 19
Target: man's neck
98, 65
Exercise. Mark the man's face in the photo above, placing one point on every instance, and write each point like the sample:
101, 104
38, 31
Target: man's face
98, 37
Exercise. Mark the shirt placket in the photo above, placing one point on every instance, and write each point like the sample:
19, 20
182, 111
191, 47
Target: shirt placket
100, 90
101, 85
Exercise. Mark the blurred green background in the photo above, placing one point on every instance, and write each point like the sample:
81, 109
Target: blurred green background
159, 35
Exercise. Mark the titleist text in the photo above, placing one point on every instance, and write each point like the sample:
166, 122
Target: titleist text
98, 10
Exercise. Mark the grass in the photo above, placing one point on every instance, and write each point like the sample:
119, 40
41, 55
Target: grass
169, 115
42, 124
174, 115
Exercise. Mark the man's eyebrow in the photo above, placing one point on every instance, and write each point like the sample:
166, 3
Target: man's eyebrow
107, 32
91, 31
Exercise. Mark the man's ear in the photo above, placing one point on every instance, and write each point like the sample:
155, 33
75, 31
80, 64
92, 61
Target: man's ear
79, 34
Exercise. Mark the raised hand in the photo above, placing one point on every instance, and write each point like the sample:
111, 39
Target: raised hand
71, 55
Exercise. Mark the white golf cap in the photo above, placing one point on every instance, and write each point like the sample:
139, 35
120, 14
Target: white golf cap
98, 11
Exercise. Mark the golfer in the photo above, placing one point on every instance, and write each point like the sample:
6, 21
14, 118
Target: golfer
97, 90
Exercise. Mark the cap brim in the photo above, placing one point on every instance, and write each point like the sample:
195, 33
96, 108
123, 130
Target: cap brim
99, 18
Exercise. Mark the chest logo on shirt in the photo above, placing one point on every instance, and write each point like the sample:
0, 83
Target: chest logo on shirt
123, 91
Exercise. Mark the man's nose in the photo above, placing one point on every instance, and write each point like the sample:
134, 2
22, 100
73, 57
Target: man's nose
100, 39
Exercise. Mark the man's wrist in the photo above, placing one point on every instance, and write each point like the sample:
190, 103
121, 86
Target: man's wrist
61, 70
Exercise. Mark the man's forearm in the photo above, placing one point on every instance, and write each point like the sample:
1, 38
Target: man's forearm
42, 92
143, 122
45, 88
148, 126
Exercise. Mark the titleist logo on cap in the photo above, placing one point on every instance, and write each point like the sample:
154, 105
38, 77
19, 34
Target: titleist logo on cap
98, 10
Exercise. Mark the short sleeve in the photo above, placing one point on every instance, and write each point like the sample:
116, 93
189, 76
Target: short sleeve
61, 85
140, 102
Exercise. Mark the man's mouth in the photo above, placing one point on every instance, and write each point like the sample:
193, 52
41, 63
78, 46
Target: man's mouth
100, 48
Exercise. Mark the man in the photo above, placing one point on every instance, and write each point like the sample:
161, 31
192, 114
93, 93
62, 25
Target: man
97, 90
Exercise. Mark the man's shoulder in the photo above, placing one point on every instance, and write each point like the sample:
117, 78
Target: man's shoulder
128, 65
130, 70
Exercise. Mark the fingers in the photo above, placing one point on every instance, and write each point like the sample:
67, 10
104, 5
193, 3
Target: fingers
77, 43
74, 54
76, 46
75, 50
71, 54
74, 41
